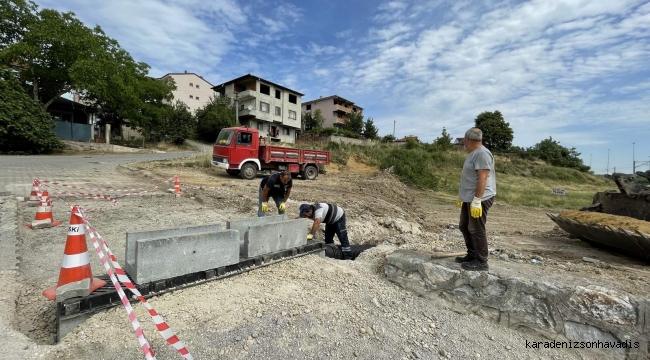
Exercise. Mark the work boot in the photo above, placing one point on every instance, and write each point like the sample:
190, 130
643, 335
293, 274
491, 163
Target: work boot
475, 265
347, 255
462, 259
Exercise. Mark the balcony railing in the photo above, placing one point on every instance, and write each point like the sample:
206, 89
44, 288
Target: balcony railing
343, 108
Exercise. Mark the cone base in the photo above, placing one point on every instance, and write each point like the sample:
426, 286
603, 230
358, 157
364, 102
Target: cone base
50, 293
54, 223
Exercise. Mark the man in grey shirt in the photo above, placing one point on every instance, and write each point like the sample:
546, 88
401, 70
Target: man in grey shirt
475, 197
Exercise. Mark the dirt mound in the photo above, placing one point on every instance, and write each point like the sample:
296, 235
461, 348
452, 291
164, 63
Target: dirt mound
613, 221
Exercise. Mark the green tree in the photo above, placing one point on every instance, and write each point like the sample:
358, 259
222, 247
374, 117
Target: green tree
388, 138
179, 123
555, 154
24, 125
497, 134
313, 121
370, 131
444, 141
354, 123
219, 113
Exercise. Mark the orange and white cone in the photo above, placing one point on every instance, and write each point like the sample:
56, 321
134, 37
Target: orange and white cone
177, 186
44, 216
76, 277
33, 196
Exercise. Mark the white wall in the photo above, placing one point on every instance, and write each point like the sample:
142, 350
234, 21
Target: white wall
183, 90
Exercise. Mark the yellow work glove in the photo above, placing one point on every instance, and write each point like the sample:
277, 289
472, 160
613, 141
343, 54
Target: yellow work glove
265, 207
282, 207
475, 209
310, 236
459, 203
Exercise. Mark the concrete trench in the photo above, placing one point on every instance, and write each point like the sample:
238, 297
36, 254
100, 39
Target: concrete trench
580, 315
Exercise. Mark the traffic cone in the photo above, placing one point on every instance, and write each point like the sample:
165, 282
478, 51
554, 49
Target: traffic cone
76, 277
33, 196
44, 218
177, 186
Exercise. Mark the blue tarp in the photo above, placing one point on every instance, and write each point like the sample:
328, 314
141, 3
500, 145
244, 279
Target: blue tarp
78, 132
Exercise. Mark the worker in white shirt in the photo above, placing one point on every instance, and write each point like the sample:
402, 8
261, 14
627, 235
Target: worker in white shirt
333, 217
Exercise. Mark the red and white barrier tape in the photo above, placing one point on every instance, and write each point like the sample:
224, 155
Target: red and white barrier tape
57, 183
139, 333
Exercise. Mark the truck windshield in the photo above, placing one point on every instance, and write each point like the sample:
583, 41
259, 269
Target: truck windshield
225, 137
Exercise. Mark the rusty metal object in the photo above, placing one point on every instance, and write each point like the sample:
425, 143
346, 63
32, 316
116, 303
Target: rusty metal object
632, 200
635, 244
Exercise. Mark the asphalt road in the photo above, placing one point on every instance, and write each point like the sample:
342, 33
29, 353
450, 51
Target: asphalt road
17, 173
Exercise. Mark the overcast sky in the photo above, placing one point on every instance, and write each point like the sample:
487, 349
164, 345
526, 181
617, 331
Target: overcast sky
576, 70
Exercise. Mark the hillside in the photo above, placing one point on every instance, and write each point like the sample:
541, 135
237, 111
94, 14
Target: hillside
519, 181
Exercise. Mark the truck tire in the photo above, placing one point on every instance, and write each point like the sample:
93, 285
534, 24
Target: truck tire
248, 171
310, 173
233, 172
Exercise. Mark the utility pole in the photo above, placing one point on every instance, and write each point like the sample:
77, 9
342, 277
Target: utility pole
237, 107
633, 161
607, 161
394, 121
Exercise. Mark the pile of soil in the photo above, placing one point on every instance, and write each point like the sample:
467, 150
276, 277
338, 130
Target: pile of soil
613, 221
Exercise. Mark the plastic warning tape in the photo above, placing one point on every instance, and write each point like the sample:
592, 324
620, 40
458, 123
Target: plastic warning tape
139, 333
57, 183
163, 328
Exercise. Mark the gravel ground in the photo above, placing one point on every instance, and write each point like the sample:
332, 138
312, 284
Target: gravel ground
309, 308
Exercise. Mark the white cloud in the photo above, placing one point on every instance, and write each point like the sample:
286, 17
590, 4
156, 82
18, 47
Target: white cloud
324, 50
272, 25
343, 34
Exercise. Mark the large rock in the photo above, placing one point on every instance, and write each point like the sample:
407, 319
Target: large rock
578, 313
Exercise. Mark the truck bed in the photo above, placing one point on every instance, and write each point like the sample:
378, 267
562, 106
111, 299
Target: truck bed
270, 154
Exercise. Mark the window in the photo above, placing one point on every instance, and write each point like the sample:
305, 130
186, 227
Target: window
265, 89
197, 98
244, 138
197, 86
191, 97
224, 137
286, 131
278, 94
264, 107
292, 114
260, 126
278, 111
61, 116
293, 99
191, 85
309, 107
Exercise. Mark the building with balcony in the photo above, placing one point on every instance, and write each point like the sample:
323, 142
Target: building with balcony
192, 89
334, 109
271, 108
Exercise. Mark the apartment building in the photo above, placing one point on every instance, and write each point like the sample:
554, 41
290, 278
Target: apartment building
271, 108
192, 89
334, 109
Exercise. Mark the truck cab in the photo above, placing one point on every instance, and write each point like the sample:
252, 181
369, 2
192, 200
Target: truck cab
234, 147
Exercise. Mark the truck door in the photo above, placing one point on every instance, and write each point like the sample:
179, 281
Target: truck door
243, 148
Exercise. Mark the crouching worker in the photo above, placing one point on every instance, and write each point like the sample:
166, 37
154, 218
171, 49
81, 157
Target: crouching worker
334, 218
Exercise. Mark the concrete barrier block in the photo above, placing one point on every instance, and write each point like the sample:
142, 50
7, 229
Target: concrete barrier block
278, 236
244, 224
133, 236
164, 258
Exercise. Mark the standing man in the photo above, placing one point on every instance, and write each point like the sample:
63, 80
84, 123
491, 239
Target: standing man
278, 187
334, 219
476, 194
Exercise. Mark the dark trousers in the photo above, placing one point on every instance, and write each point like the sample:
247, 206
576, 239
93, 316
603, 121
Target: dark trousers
341, 232
473, 230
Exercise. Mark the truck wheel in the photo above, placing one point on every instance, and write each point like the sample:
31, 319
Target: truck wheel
233, 172
248, 171
310, 173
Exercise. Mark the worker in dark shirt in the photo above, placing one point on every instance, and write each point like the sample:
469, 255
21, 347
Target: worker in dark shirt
278, 187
